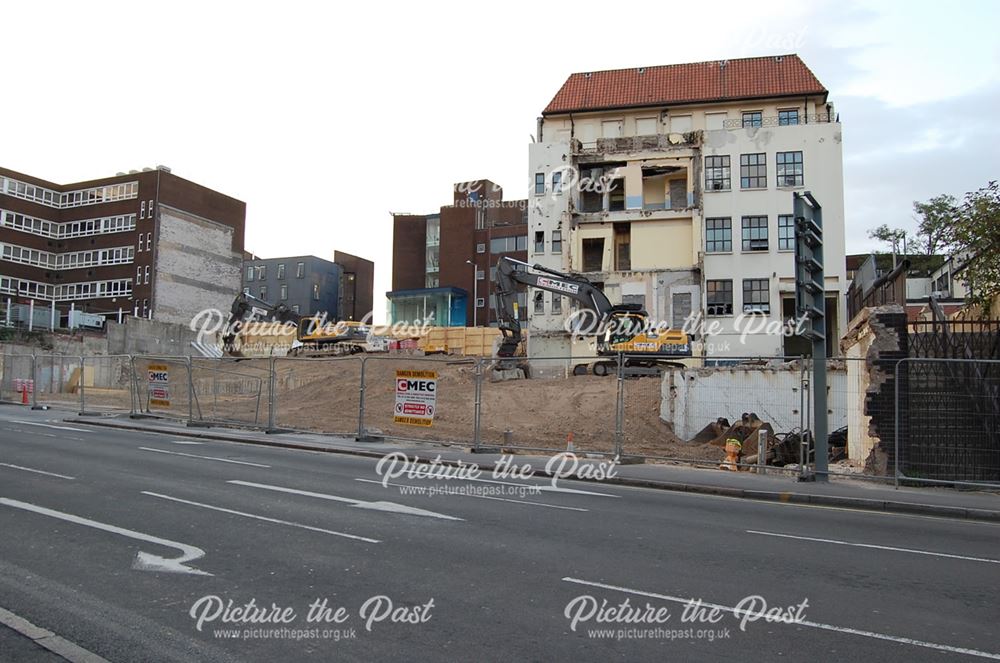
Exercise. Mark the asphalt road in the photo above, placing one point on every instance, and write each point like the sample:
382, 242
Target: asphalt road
112, 539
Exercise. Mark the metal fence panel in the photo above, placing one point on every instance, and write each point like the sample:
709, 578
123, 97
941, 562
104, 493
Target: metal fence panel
58, 379
17, 372
454, 418
163, 387
320, 394
107, 385
551, 407
948, 420
231, 390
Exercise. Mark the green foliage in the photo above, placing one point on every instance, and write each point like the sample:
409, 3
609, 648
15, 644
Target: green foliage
975, 233
933, 220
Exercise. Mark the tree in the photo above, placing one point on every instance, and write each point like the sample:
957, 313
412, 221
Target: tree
933, 219
894, 237
974, 235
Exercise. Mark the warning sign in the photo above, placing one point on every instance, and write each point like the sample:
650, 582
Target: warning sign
159, 385
416, 397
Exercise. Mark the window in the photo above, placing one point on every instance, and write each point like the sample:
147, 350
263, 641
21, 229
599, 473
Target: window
281, 270
556, 303
145, 275
150, 208
756, 296
557, 182
300, 270
717, 173
789, 168
480, 275
246, 291
539, 183
719, 297
142, 210
755, 233
508, 244
262, 273
786, 117
786, 232
680, 124
493, 273
138, 274
249, 272
539, 241
715, 121
263, 292
145, 308
139, 247
295, 308
718, 235
753, 171
480, 248
539, 301
284, 292
556, 241
646, 126
593, 254
315, 292
149, 240
480, 302
752, 119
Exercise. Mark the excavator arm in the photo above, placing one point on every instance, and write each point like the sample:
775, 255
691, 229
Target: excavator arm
513, 273
245, 309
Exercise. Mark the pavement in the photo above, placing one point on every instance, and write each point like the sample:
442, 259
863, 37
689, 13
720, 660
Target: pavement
162, 544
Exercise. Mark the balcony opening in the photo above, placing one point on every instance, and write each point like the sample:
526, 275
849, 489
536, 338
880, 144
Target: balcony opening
623, 247
655, 182
678, 194
593, 254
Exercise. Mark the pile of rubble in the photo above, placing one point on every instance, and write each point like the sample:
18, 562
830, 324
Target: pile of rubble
739, 443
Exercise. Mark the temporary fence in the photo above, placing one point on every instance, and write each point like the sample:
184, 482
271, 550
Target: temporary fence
910, 420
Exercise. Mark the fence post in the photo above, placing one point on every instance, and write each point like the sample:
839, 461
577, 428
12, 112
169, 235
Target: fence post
190, 392
620, 408
895, 434
361, 403
761, 451
83, 402
478, 405
271, 383
132, 390
34, 383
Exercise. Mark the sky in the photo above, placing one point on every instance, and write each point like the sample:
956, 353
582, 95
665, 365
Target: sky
327, 117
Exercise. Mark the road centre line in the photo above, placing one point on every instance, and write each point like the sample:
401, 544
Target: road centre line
877, 547
264, 518
485, 497
737, 612
221, 460
28, 469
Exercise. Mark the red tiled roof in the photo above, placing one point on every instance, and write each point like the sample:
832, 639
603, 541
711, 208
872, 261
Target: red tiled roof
747, 78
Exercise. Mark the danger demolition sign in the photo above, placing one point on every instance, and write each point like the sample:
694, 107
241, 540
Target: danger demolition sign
416, 397
159, 385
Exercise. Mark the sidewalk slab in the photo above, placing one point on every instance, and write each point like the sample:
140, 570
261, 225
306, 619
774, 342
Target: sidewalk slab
775, 486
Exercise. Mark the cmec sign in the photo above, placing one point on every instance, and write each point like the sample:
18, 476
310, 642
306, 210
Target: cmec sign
416, 398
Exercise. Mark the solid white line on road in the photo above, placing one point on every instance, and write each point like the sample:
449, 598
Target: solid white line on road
546, 488
264, 518
28, 469
738, 612
33, 423
484, 497
391, 507
192, 442
872, 545
143, 561
221, 460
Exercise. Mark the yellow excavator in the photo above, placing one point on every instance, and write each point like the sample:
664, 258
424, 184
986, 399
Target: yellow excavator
623, 328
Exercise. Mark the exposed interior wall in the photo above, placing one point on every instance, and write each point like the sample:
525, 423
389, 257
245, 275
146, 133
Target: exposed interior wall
196, 267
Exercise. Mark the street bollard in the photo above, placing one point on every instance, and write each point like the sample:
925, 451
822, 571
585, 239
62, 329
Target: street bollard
761, 451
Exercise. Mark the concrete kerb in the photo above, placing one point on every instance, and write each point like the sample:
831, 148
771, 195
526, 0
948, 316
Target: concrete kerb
857, 503
48, 640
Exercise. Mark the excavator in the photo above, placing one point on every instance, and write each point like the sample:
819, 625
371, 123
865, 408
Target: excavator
314, 336
622, 328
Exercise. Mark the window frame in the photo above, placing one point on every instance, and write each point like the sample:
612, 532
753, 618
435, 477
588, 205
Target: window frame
758, 162
786, 243
723, 169
749, 224
751, 286
756, 119
556, 241
539, 184
782, 165
713, 292
725, 224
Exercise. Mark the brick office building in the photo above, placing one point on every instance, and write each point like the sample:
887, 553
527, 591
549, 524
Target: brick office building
443, 264
148, 243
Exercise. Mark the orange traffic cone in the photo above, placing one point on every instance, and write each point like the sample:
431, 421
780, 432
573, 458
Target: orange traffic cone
569, 443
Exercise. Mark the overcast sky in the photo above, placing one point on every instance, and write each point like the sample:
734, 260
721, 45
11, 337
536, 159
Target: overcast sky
325, 119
